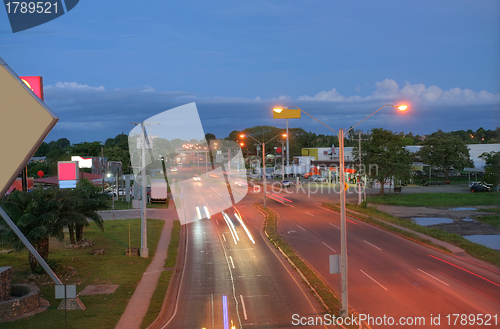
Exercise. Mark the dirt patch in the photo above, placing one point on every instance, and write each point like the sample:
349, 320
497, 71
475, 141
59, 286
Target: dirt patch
467, 228
98, 289
463, 220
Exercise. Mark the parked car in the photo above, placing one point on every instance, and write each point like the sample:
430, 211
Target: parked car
319, 179
285, 183
480, 188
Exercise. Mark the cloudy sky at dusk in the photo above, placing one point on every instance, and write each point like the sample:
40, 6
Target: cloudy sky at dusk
108, 63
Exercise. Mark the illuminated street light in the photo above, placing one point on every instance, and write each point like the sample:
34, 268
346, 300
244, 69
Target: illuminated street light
263, 160
285, 113
343, 234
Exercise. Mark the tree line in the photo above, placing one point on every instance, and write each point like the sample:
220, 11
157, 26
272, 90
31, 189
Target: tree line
441, 150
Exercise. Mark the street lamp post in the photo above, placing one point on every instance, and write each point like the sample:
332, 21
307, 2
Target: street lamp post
343, 232
263, 160
144, 195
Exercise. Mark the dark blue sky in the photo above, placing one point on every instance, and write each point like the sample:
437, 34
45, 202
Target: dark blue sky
108, 63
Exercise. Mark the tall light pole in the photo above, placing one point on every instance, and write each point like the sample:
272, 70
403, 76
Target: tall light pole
263, 160
144, 228
343, 232
288, 114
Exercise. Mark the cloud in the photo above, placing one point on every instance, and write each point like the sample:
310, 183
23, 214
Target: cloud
331, 95
90, 113
73, 86
389, 89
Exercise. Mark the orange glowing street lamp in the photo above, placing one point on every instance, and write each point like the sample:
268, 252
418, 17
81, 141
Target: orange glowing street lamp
282, 112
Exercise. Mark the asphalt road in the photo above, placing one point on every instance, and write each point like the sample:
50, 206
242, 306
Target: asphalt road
261, 290
389, 275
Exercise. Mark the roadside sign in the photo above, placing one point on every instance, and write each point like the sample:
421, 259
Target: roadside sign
69, 293
25, 121
256, 188
334, 264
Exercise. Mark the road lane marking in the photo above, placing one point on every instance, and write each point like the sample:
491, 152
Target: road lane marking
374, 246
223, 237
244, 309
328, 247
350, 221
334, 225
217, 222
373, 279
463, 269
301, 228
231, 259
433, 277
309, 214
213, 314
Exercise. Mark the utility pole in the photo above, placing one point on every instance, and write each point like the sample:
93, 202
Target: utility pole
264, 171
102, 167
359, 175
144, 230
283, 159
343, 236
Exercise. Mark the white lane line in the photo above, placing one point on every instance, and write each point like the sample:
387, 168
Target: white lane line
328, 247
303, 229
433, 277
213, 317
231, 259
309, 214
244, 309
373, 279
374, 246
334, 225
223, 237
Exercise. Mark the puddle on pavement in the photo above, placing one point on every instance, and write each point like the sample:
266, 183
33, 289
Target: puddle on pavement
468, 219
462, 208
426, 221
492, 241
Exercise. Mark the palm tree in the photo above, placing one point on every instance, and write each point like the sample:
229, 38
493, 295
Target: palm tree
43, 213
80, 205
36, 216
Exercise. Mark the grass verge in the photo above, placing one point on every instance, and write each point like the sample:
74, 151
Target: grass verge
102, 311
124, 205
327, 296
493, 220
156, 301
437, 199
369, 214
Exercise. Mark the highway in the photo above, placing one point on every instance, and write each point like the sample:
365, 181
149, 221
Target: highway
230, 280
388, 274
261, 290
232, 275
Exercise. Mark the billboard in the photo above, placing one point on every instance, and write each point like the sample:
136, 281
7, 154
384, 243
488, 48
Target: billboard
35, 84
82, 162
67, 172
20, 108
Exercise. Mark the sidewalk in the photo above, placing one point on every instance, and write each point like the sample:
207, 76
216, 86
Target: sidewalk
138, 305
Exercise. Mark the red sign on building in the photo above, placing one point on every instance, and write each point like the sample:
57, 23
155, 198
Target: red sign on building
35, 84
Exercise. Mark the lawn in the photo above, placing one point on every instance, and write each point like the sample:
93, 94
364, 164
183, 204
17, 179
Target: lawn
123, 205
102, 311
437, 199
